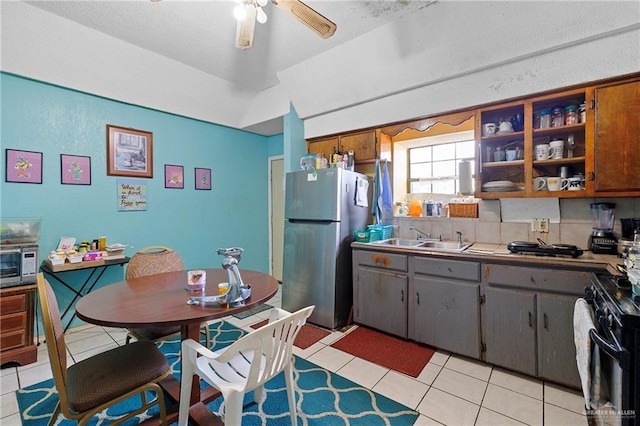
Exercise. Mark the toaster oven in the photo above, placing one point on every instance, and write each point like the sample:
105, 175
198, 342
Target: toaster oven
18, 264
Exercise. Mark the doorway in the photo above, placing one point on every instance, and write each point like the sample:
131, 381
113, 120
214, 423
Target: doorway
276, 213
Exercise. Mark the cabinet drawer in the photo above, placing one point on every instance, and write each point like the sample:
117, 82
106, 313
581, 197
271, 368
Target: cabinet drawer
12, 322
14, 303
397, 262
456, 269
15, 339
544, 279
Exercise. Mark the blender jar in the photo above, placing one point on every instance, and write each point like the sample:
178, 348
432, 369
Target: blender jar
603, 216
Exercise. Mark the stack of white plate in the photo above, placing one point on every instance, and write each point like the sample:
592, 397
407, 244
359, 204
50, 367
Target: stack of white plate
499, 186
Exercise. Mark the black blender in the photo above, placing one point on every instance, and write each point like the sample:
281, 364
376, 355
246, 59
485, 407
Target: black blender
602, 239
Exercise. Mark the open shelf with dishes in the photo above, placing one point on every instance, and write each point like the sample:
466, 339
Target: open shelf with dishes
502, 164
563, 132
515, 157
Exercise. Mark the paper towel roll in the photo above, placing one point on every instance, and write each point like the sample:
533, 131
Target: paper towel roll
464, 176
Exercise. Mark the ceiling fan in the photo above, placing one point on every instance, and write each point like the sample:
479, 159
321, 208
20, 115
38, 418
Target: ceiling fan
250, 11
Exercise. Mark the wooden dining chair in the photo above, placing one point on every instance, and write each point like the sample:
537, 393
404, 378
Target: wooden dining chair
148, 261
96, 383
245, 365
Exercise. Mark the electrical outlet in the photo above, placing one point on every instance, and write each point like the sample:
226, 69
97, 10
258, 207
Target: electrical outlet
540, 225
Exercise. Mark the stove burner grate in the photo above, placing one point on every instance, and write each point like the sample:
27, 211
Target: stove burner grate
544, 249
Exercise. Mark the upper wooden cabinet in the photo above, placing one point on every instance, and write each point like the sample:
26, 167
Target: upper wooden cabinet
605, 140
510, 155
362, 143
617, 138
323, 146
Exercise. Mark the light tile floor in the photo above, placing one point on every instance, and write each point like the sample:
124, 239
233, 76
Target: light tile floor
451, 390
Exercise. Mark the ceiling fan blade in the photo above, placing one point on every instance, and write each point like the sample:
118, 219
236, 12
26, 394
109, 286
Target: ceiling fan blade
312, 19
245, 29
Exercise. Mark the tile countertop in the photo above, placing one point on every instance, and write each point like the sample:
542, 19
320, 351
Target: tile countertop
499, 253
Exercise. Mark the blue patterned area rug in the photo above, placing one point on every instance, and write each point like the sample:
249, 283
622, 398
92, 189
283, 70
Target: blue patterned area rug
322, 398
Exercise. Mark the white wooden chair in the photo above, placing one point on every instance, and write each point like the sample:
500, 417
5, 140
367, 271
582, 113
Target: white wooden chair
245, 365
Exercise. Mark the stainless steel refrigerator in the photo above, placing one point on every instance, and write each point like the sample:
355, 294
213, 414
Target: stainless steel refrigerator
321, 215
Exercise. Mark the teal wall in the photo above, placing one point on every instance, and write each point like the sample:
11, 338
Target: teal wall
275, 145
294, 143
55, 120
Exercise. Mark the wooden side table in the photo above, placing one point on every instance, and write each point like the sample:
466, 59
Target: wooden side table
17, 311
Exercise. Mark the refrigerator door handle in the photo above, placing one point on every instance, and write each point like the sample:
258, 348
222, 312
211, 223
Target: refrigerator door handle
309, 221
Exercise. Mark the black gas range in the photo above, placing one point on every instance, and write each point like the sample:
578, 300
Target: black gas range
617, 319
542, 249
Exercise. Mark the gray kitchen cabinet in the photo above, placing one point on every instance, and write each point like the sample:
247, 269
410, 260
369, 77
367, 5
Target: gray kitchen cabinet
382, 301
380, 291
556, 348
528, 320
509, 329
446, 314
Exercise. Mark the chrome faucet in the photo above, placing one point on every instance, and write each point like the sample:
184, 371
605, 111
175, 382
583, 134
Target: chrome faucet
425, 236
459, 234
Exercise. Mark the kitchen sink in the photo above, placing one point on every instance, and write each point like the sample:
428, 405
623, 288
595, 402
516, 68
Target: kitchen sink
446, 245
400, 242
450, 246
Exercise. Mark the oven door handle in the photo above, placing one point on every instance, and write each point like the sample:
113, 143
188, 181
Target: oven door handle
614, 350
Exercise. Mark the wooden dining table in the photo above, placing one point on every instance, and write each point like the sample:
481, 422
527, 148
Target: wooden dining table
161, 300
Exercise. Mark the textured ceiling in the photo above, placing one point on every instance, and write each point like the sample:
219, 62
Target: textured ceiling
201, 34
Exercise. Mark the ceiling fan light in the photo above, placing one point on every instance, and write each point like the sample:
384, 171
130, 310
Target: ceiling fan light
261, 17
240, 12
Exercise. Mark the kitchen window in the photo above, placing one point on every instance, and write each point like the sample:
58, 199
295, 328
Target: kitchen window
433, 168
427, 167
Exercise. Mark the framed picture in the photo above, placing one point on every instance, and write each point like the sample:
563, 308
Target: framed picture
75, 169
173, 176
129, 152
203, 178
23, 166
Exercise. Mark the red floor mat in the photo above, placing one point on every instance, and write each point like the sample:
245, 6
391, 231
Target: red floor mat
385, 350
307, 336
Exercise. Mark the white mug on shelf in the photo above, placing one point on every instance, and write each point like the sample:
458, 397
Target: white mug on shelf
575, 183
488, 129
505, 127
556, 148
540, 184
556, 183
542, 151
511, 154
